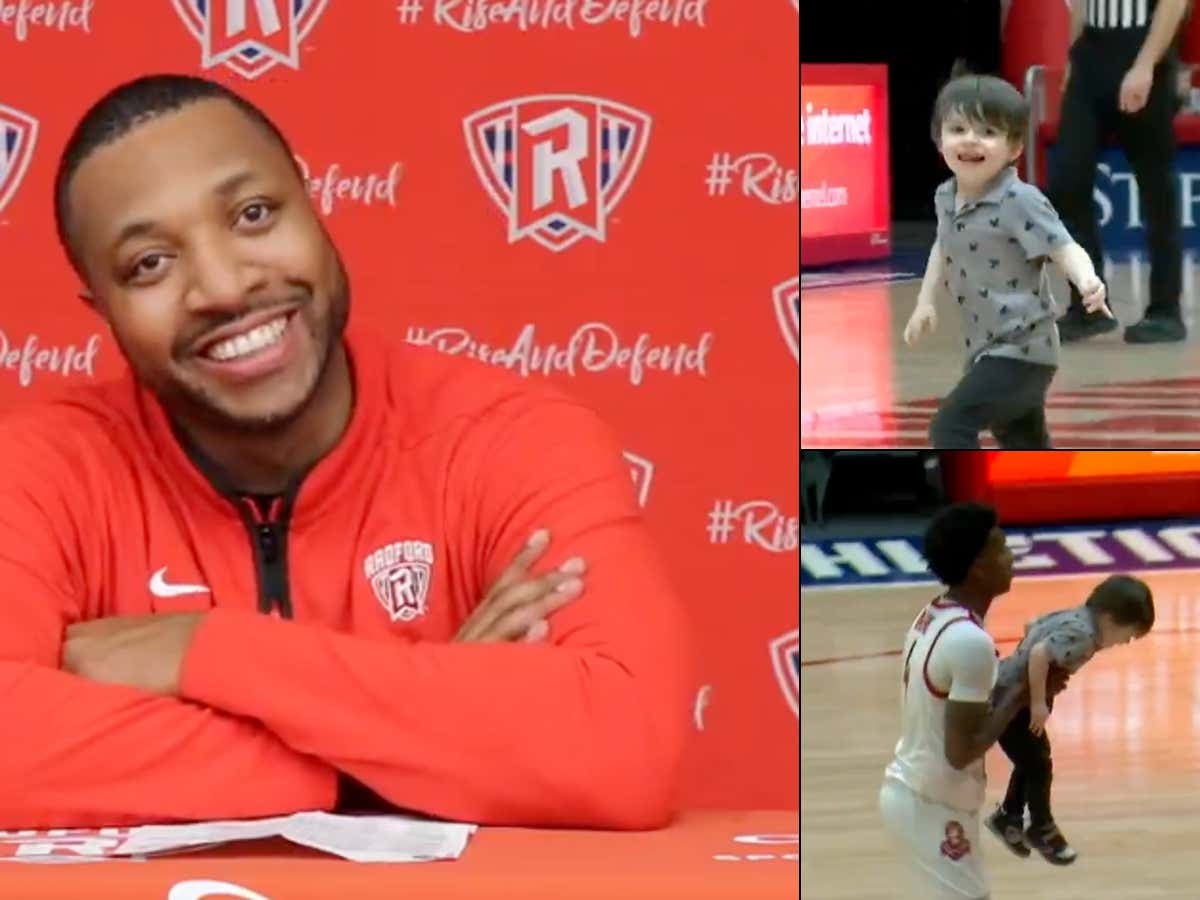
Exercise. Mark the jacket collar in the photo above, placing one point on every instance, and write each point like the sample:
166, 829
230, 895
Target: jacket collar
331, 476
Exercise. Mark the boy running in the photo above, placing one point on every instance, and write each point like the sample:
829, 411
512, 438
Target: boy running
994, 235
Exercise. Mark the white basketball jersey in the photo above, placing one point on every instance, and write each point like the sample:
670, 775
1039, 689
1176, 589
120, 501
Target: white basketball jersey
920, 760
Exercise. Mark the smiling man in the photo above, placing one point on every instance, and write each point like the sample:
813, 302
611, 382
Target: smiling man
281, 564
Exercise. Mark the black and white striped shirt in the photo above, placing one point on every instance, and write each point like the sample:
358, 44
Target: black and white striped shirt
1110, 14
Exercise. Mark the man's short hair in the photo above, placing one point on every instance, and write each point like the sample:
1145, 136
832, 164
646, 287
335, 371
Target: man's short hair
954, 539
124, 108
984, 99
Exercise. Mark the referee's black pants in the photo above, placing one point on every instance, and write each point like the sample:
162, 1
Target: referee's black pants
1099, 61
1032, 771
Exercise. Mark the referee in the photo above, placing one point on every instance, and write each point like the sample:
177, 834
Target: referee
1120, 79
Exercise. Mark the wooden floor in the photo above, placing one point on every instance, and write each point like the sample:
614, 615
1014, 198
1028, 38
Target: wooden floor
1126, 739
1107, 393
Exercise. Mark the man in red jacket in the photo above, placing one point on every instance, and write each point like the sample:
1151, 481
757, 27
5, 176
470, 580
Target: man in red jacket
276, 558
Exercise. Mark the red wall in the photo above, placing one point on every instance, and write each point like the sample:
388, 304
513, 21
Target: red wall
1055, 486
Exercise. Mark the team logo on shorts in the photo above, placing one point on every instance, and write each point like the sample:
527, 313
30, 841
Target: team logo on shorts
557, 165
642, 472
787, 311
18, 135
956, 845
399, 575
785, 660
250, 36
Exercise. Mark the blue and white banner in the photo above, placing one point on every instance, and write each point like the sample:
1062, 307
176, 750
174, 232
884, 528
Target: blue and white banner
1052, 550
1118, 206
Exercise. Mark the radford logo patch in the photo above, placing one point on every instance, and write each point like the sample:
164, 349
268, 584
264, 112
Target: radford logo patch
399, 575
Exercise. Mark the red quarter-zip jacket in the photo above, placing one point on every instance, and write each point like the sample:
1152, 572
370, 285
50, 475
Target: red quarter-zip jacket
328, 642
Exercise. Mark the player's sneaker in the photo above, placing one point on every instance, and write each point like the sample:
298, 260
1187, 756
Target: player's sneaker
1049, 841
1008, 829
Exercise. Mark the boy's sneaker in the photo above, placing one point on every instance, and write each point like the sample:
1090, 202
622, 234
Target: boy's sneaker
1008, 829
1049, 841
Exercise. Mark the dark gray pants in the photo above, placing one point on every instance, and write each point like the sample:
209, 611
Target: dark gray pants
1099, 61
1005, 396
1032, 773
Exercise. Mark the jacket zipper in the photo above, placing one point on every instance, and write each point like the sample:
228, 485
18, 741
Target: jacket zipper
268, 540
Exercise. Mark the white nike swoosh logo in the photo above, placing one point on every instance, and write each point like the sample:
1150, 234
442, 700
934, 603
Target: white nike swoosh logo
160, 588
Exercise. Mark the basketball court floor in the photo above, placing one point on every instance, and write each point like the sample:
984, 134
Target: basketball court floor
1125, 734
862, 387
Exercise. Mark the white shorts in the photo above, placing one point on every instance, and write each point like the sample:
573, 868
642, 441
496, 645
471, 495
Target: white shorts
940, 843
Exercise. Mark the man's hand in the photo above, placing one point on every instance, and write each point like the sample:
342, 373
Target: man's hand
517, 606
1135, 88
144, 652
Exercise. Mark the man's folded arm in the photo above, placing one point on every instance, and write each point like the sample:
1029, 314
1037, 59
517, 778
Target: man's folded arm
583, 730
77, 753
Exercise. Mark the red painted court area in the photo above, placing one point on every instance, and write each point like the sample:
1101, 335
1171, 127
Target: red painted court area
862, 387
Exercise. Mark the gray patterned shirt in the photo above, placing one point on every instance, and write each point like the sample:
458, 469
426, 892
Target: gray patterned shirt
995, 249
1070, 636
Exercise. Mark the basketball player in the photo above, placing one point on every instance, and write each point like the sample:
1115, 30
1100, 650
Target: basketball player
934, 786
994, 235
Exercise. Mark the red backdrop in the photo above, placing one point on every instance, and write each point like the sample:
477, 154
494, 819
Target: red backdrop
404, 113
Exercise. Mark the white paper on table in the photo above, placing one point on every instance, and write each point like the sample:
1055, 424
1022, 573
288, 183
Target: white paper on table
378, 838
392, 838
147, 839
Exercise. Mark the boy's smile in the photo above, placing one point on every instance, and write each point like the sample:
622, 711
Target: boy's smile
975, 151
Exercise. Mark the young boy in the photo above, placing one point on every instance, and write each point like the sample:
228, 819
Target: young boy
1119, 609
994, 234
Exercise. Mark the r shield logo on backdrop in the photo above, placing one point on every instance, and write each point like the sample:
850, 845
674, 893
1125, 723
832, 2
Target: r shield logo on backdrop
557, 165
641, 470
787, 312
785, 660
250, 36
18, 135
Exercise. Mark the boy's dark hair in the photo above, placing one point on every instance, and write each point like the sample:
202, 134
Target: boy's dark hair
124, 108
1127, 600
954, 539
981, 98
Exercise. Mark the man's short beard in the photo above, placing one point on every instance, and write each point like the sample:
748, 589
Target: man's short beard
197, 405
